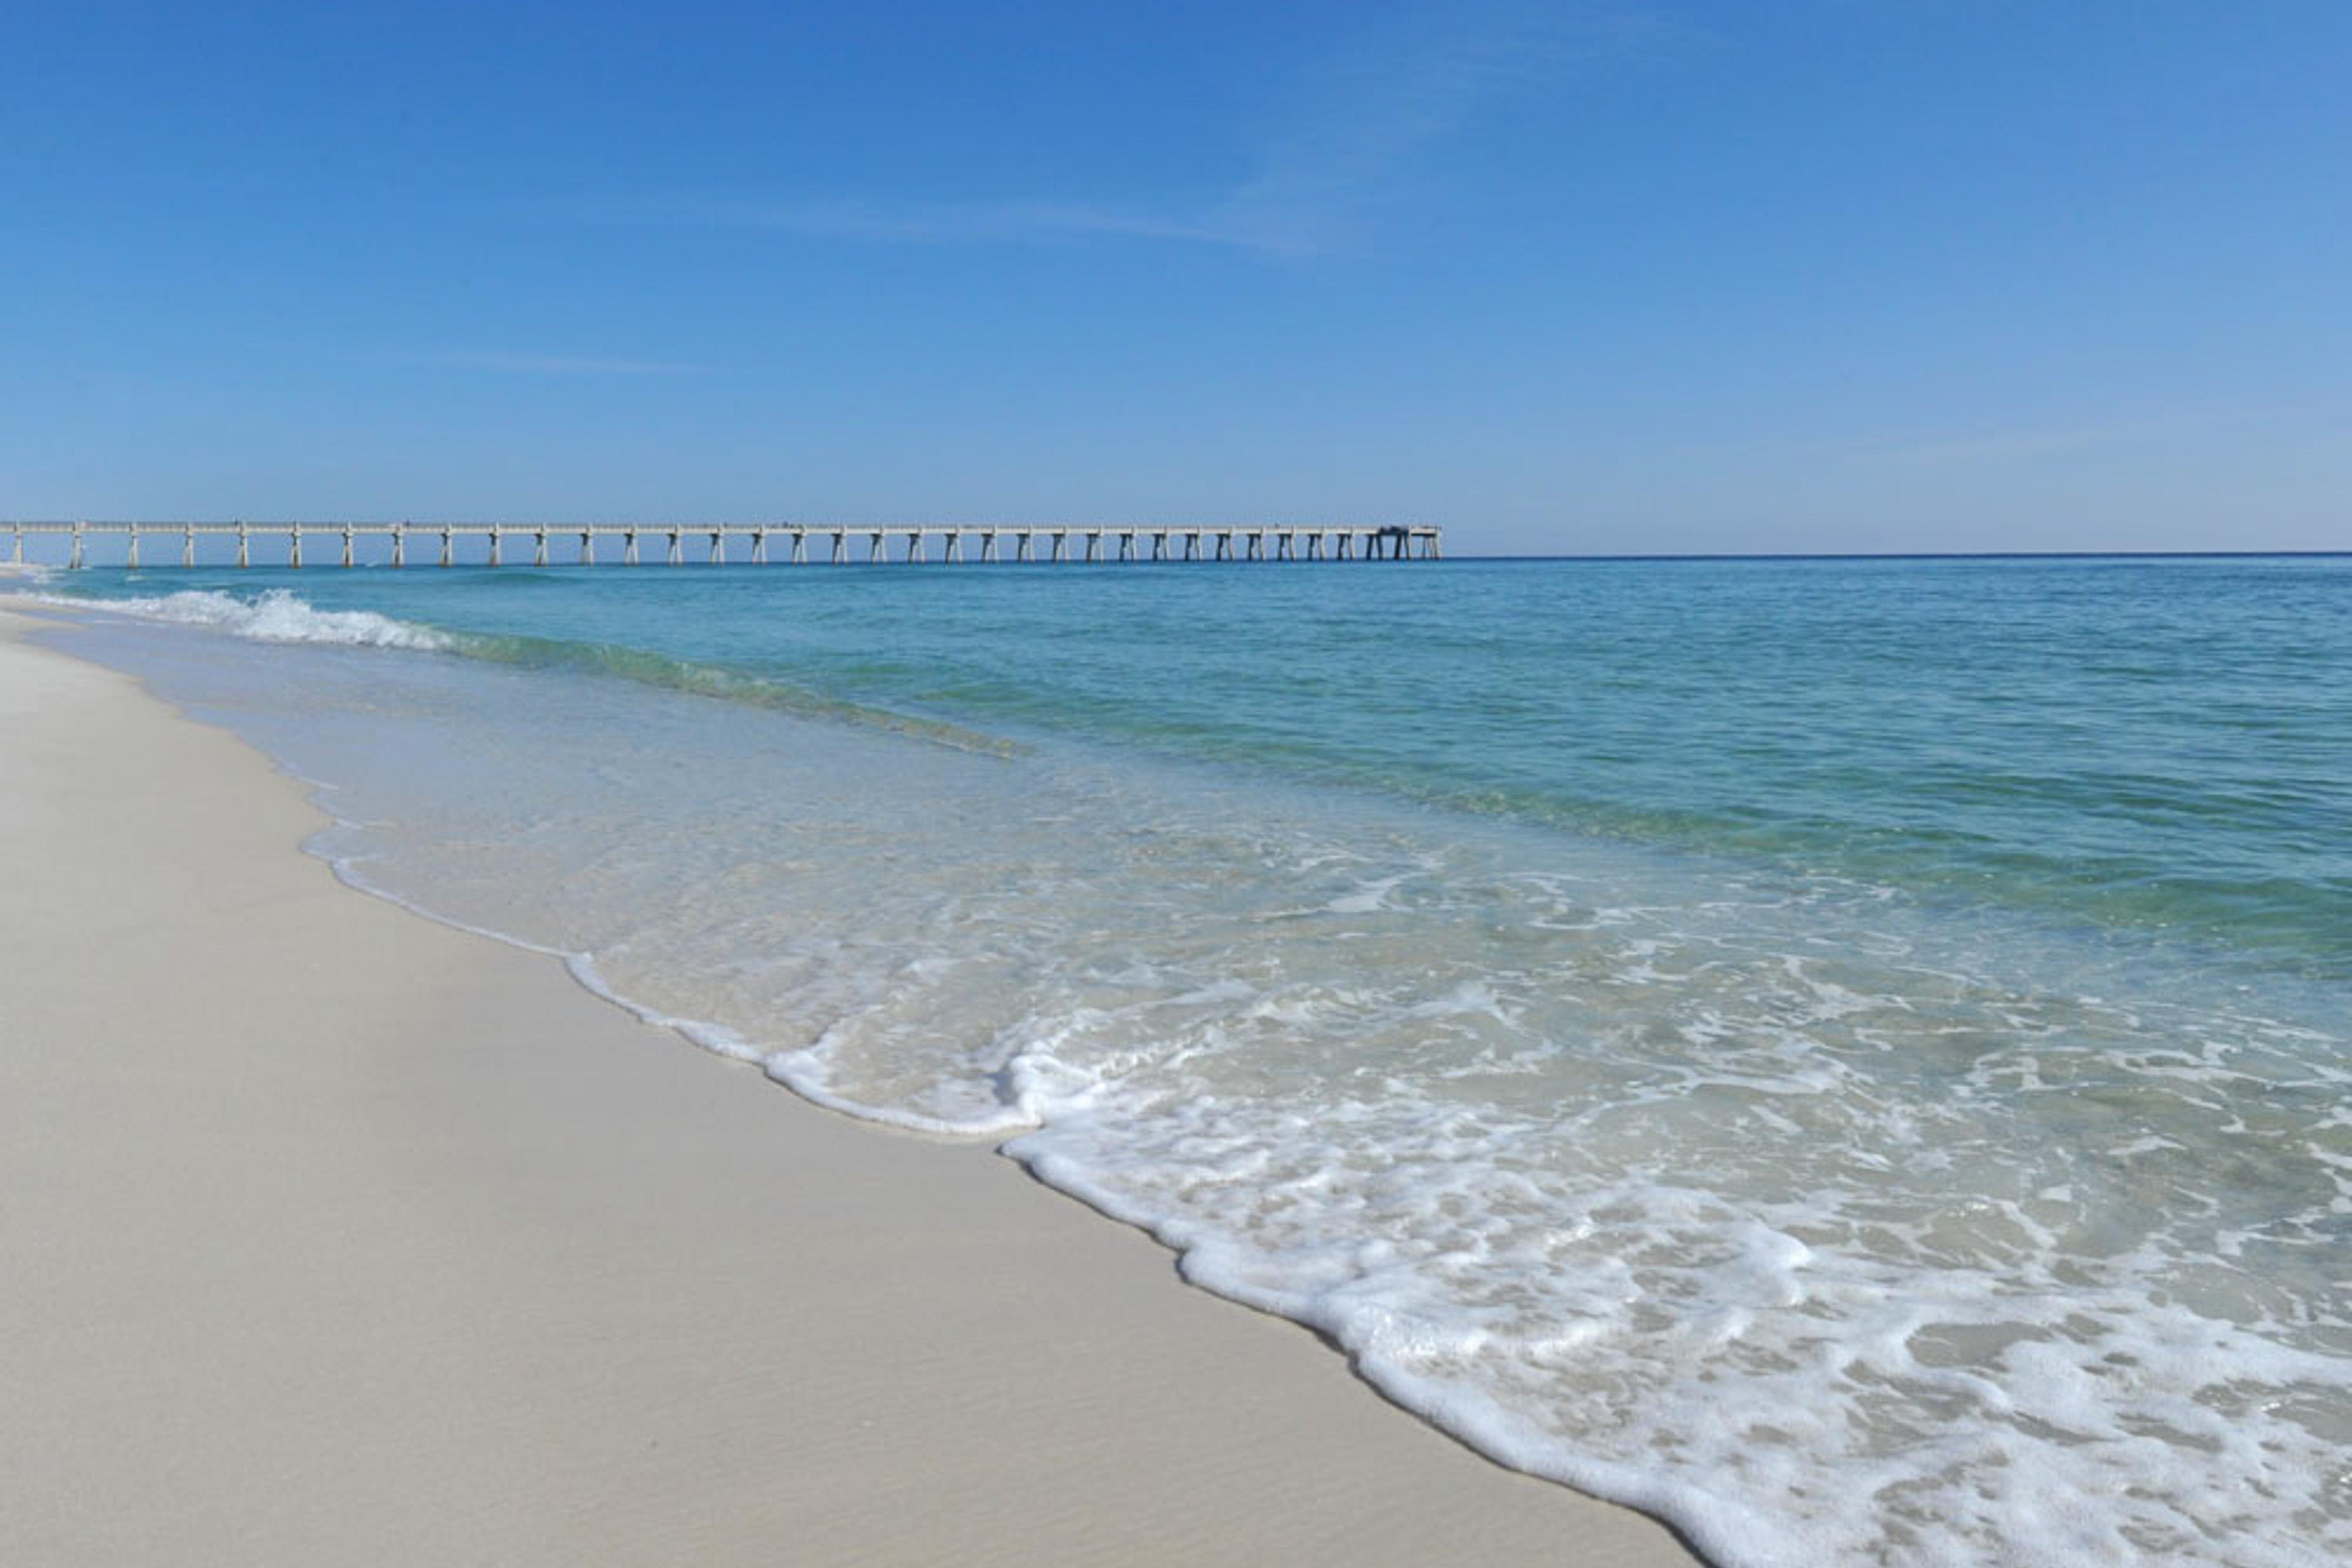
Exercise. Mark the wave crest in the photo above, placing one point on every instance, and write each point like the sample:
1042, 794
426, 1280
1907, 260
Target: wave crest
278, 616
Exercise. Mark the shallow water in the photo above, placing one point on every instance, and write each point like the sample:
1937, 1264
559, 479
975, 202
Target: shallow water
1849, 1056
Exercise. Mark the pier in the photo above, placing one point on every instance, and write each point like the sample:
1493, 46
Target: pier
146, 545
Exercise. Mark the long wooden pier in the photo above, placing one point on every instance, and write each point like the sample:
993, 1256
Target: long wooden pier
713, 543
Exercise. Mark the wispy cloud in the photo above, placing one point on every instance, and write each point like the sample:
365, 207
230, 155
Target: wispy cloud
910, 223
1339, 151
2035, 443
510, 363
1369, 112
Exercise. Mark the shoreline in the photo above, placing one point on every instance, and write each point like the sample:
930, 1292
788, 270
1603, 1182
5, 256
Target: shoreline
352, 1237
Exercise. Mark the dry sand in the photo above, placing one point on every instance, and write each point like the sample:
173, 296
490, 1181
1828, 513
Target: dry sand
333, 1236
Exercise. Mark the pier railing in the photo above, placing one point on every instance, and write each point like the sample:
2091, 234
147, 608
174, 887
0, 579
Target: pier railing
154, 544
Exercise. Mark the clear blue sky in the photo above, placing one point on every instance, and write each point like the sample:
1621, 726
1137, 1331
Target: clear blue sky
1689, 275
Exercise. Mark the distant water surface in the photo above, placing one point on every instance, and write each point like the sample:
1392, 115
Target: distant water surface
1849, 1056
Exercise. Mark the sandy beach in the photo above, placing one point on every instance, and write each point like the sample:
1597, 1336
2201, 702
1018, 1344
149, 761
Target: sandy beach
339, 1236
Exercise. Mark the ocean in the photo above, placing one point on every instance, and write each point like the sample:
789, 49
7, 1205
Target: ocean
1851, 1057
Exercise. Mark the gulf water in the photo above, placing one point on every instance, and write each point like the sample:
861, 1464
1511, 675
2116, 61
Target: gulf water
1851, 1056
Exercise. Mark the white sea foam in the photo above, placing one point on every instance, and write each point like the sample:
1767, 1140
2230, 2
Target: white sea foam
1832, 1229
277, 615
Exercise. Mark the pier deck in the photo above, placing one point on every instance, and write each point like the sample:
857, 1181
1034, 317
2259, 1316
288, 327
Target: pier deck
152, 544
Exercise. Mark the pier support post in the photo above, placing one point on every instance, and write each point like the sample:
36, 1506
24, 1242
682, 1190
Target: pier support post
1061, 543
676, 548
399, 545
130, 554
629, 547
449, 548
800, 547
718, 548
539, 547
840, 547
875, 555
347, 545
244, 553
498, 545
759, 547
987, 544
914, 551
294, 546
587, 547
1021, 546
73, 561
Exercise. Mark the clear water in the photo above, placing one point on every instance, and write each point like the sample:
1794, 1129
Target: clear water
1851, 1056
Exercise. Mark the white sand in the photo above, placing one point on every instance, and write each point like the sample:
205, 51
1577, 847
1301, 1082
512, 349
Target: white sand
332, 1236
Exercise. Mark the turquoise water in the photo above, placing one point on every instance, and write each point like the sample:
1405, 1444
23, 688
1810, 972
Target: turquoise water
1851, 1055
2162, 744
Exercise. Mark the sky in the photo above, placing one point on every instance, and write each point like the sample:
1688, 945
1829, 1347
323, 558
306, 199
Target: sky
1623, 277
